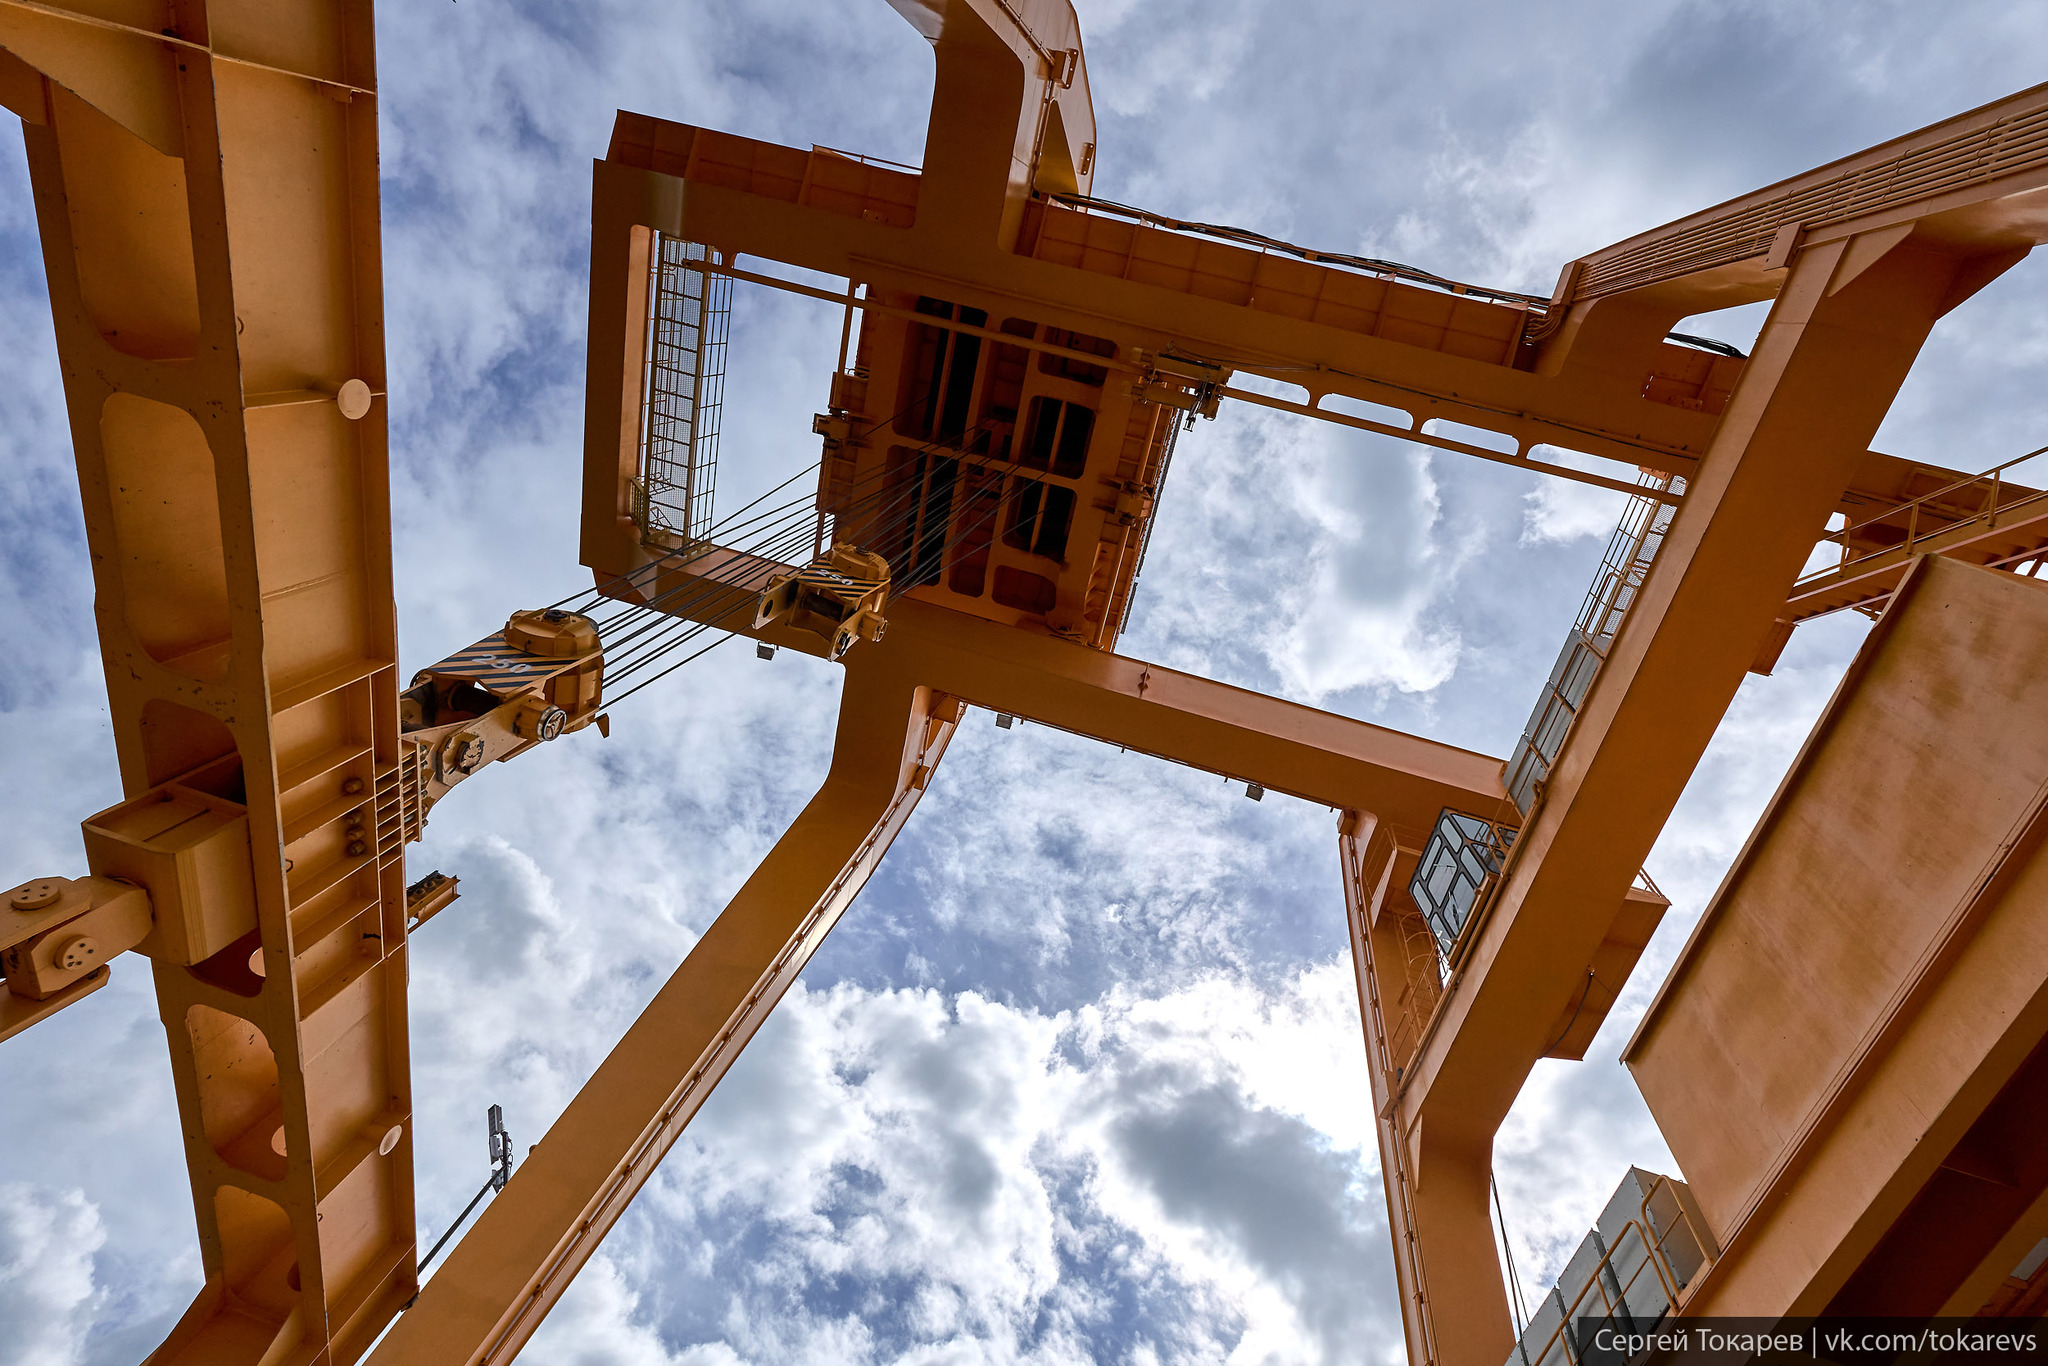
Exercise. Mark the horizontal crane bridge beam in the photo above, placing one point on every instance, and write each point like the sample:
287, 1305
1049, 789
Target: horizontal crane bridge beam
1284, 746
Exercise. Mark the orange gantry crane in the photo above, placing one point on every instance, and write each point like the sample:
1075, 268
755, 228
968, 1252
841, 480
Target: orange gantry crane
1016, 360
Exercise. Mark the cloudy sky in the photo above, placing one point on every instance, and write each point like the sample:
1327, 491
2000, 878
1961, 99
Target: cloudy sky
1080, 1077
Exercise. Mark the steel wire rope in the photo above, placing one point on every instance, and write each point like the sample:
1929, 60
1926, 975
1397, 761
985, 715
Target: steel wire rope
795, 512
651, 652
730, 522
699, 654
666, 640
709, 586
691, 630
1508, 1247
785, 534
595, 597
598, 597
781, 527
796, 525
695, 629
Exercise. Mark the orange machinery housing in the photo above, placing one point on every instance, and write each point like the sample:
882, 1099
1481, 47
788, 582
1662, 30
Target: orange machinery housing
1017, 358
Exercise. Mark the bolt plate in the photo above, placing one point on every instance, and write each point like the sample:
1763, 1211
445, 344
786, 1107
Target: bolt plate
34, 896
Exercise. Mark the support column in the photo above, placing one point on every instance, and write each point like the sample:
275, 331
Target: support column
1849, 320
508, 1271
1422, 1188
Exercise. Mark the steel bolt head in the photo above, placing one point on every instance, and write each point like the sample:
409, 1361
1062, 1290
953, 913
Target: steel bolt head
351, 786
79, 951
356, 848
34, 896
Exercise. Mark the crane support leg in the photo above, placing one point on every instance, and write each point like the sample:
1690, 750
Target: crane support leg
1370, 854
1847, 325
508, 1271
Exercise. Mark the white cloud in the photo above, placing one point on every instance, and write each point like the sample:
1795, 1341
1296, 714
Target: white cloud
1559, 511
1179, 1173
1303, 558
47, 1295
1078, 1077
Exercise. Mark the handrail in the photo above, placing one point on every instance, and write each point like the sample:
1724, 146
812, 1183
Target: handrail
1912, 509
1245, 237
1656, 1259
1683, 1218
865, 159
1652, 1259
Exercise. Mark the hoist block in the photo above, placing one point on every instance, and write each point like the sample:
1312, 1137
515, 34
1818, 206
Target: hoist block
838, 597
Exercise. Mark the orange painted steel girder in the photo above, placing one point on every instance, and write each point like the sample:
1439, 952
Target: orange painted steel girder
1885, 254
207, 196
901, 699
1785, 446
1862, 258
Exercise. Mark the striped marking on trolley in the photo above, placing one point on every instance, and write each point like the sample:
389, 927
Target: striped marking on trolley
492, 662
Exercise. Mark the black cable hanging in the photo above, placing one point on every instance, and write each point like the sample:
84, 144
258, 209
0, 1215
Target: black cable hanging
1508, 1247
884, 507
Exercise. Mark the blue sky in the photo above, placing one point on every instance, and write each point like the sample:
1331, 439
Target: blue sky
1080, 1076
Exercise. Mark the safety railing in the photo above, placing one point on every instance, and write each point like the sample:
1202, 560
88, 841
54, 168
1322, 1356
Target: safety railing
1933, 515
865, 159
1625, 1303
1631, 550
1659, 1243
1980, 150
1684, 1249
1422, 971
682, 389
1260, 242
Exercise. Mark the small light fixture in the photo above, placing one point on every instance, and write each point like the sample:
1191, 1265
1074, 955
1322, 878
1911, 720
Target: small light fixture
1255, 792
1004, 720
763, 650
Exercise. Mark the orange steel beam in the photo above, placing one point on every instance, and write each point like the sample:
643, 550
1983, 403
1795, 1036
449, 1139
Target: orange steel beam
1880, 481
206, 189
1845, 329
902, 697
1342, 419
642, 182
1771, 453
1965, 174
1283, 746
499, 1282
1934, 1002
1371, 857
2011, 531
